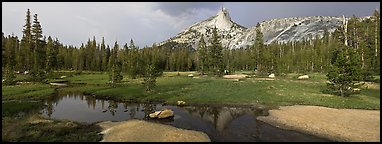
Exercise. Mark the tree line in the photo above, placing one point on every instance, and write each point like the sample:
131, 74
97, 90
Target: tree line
40, 55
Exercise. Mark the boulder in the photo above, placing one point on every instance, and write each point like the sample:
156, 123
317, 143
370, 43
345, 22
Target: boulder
166, 113
303, 77
155, 114
181, 103
144, 131
236, 76
190, 75
271, 75
58, 84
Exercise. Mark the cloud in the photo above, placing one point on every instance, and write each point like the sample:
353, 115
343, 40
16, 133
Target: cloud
75, 22
186, 8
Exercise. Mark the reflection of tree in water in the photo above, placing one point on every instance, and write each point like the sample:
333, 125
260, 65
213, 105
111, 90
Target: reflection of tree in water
221, 117
202, 110
257, 129
259, 112
112, 107
91, 101
147, 109
215, 112
49, 108
235, 112
103, 104
133, 111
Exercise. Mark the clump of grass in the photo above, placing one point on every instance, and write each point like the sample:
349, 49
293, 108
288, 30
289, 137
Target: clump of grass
27, 91
13, 108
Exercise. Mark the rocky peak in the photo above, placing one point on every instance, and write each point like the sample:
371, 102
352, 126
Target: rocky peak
278, 30
223, 20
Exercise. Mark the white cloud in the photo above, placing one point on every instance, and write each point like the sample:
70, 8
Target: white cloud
75, 22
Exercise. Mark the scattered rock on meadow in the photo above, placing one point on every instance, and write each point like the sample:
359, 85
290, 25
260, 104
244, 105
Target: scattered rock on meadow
303, 77
181, 103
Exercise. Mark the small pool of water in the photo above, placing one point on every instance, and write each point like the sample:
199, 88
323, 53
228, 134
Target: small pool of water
219, 123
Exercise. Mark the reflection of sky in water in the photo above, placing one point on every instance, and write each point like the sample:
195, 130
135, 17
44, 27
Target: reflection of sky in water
220, 123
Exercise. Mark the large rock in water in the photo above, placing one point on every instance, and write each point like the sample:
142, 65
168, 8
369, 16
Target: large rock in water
143, 131
166, 113
155, 114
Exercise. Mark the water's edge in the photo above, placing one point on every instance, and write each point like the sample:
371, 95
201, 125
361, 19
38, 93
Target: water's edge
220, 123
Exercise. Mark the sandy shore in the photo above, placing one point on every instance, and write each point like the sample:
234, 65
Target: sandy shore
335, 124
142, 131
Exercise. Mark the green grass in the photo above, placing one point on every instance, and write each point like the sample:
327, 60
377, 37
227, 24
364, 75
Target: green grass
89, 78
285, 90
27, 91
13, 108
20, 107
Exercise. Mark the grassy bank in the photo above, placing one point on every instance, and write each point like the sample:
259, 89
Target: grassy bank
27, 91
21, 121
21, 102
171, 87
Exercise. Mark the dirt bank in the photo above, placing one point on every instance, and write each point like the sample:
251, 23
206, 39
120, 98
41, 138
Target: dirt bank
335, 124
142, 131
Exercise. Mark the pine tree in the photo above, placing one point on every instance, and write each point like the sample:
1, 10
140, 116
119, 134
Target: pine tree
11, 45
115, 66
39, 52
55, 50
103, 55
377, 41
202, 56
125, 63
259, 49
345, 70
4, 51
216, 55
26, 44
134, 60
49, 66
151, 70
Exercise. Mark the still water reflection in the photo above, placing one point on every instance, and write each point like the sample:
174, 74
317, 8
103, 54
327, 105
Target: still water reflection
219, 123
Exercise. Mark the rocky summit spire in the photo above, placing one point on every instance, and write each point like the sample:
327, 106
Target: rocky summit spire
223, 20
224, 13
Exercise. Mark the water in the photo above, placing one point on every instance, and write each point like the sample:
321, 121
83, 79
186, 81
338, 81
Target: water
219, 123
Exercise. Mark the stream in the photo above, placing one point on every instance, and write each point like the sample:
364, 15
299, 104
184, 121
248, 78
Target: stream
220, 123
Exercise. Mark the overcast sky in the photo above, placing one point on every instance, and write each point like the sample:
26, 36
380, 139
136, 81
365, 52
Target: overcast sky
148, 23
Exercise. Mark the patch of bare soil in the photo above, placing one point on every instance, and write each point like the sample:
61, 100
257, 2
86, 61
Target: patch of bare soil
371, 85
336, 124
142, 131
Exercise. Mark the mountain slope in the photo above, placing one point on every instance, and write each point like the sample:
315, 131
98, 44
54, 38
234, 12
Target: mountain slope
227, 29
234, 35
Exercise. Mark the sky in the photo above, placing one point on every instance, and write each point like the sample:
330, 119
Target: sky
146, 23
